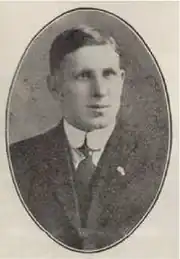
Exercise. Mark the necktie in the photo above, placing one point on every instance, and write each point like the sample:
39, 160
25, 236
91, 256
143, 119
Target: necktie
83, 176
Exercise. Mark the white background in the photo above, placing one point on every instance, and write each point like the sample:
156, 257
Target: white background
156, 238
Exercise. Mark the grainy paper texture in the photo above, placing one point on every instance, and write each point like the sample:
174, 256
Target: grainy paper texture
19, 232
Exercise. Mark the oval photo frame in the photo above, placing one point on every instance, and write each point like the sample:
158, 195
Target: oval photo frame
137, 157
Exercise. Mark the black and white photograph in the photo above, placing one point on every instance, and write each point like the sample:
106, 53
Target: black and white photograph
88, 130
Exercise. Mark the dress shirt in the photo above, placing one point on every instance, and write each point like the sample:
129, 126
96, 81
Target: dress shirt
96, 140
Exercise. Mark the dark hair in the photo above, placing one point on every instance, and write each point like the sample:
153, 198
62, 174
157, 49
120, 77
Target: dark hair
74, 38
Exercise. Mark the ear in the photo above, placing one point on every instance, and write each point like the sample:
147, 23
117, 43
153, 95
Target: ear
54, 87
122, 74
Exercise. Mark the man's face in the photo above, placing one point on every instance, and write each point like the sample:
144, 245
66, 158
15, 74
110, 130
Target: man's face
90, 86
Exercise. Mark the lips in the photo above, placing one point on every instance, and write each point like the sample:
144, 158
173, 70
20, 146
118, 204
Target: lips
98, 106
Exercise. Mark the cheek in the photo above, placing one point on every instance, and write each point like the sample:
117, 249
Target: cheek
115, 86
115, 95
75, 96
115, 91
80, 91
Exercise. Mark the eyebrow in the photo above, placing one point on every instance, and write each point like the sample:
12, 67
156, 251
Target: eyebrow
109, 69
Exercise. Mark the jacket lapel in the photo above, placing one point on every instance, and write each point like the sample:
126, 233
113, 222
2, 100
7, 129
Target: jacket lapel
111, 169
61, 175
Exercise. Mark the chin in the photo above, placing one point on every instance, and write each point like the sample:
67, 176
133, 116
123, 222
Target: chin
99, 124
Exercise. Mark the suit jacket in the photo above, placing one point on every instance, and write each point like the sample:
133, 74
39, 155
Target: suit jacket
42, 168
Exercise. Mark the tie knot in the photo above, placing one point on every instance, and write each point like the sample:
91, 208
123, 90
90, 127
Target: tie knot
87, 151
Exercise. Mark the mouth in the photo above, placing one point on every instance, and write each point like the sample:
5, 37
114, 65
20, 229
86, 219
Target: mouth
98, 106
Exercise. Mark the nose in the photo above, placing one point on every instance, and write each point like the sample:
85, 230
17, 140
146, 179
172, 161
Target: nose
99, 87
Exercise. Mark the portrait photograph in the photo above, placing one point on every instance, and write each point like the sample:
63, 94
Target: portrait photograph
88, 130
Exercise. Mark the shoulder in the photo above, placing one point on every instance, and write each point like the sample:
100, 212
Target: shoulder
37, 145
27, 156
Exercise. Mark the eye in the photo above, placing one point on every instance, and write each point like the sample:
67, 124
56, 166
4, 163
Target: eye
109, 72
84, 75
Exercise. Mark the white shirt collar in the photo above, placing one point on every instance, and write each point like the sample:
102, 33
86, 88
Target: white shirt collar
96, 139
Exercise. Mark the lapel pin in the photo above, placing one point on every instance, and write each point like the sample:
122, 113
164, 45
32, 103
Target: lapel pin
121, 170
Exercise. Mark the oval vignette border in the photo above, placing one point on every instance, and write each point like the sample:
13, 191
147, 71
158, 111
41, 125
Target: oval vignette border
147, 48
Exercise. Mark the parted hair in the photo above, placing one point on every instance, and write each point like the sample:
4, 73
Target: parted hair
73, 39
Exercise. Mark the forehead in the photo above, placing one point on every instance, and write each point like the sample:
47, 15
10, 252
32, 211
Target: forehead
92, 57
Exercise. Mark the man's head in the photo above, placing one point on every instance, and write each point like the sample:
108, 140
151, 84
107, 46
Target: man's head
86, 77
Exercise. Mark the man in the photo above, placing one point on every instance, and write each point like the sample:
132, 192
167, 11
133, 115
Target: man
84, 180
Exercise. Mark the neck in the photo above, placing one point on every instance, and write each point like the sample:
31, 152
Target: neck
87, 130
